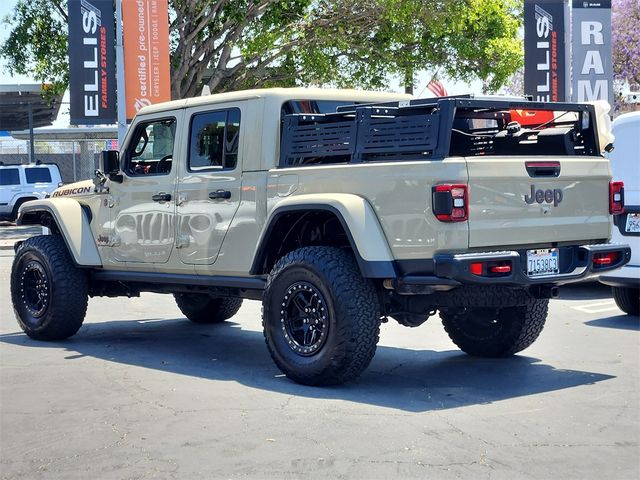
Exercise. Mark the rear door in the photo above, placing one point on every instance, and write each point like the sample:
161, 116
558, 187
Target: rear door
39, 180
209, 181
517, 200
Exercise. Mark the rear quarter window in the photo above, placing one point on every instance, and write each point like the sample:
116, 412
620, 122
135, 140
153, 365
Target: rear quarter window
37, 175
9, 176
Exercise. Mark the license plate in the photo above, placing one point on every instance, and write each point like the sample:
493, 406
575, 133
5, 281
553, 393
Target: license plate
633, 223
543, 262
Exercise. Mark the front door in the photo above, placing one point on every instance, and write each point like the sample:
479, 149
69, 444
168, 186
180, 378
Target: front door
209, 182
143, 217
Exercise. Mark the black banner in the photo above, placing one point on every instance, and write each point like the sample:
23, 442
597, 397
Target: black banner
545, 50
92, 66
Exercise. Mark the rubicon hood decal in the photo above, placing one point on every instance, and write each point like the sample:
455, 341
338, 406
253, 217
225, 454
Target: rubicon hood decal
74, 189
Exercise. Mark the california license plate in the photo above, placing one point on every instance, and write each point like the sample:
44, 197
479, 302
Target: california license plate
545, 261
633, 223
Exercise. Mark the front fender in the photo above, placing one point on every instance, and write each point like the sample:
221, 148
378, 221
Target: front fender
358, 220
72, 223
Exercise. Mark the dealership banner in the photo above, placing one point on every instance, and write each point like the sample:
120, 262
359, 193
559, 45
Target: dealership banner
92, 77
146, 53
546, 67
592, 63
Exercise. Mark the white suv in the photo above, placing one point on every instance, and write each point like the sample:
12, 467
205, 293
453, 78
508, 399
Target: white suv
21, 183
625, 163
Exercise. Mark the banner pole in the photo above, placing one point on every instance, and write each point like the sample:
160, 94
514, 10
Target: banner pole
122, 105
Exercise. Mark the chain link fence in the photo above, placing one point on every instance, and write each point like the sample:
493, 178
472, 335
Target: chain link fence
77, 160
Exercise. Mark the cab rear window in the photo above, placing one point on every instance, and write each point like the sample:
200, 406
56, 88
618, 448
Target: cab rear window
9, 176
37, 175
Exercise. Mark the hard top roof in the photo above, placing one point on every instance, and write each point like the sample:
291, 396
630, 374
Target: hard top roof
282, 94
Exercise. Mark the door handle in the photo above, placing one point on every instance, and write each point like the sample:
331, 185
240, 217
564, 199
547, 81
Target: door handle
161, 197
220, 194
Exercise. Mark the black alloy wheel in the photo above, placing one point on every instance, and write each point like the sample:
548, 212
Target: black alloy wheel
35, 290
304, 318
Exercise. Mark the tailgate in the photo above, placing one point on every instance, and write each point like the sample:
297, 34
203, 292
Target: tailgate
573, 206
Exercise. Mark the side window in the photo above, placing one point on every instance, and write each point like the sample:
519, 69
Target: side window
151, 149
214, 139
37, 175
9, 176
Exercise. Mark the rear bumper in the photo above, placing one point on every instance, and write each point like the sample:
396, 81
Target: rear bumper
576, 263
628, 277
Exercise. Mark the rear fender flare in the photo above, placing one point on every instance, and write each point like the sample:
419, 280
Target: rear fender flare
359, 221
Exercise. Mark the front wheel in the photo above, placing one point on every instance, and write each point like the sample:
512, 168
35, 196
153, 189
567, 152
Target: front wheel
48, 292
321, 319
495, 332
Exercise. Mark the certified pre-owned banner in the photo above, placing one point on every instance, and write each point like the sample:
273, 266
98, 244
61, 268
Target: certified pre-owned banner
92, 79
146, 53
592, 62
546, 75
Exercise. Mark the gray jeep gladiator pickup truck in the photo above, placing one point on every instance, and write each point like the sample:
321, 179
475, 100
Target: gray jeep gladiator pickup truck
337, 209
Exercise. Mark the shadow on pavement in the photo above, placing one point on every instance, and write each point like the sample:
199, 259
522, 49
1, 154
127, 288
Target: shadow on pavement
591, 290
624, 322
398, 378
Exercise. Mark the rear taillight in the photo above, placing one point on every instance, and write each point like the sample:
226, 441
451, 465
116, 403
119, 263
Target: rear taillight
499, 268
605, 259
450, 203
616, 198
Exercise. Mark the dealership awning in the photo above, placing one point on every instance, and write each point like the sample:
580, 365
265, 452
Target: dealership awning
24, 107
17, 101
69, 134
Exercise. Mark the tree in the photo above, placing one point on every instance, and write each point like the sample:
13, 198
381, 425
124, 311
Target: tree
234, 44
37, 43
625, 18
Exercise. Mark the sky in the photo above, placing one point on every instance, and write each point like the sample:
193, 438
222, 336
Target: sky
6, 8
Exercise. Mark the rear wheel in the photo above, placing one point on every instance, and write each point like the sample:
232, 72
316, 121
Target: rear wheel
321, 319
202, 308
627, 299
48, 292
495, 332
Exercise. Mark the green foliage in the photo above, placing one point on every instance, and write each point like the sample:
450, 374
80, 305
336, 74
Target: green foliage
37, 43
233, 44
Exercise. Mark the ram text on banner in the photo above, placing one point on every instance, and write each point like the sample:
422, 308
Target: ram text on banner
546, 75
146, 53
592, 62
92, 78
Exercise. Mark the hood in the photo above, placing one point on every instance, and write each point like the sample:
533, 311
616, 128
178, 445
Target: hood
77, 189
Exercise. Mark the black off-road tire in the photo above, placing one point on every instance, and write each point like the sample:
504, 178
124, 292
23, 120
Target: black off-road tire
343, 324
202, 308
48, 292
627, 299
495, 332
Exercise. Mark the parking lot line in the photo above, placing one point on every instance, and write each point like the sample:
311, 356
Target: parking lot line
599, 307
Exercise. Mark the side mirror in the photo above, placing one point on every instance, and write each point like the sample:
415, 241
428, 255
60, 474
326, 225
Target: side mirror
110, 165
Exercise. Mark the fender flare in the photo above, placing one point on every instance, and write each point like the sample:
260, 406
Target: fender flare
358, 220
72, 223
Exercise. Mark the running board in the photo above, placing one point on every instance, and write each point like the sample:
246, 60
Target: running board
244, 287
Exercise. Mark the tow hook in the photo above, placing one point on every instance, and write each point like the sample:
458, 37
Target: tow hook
545, 291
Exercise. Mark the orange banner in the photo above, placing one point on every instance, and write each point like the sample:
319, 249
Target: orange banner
145, 26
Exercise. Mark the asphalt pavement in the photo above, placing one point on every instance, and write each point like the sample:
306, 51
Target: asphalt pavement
141, 393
